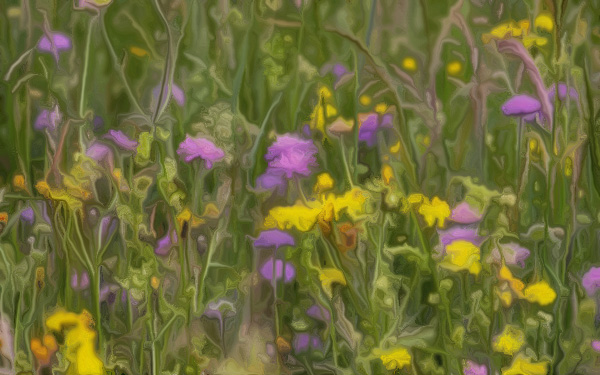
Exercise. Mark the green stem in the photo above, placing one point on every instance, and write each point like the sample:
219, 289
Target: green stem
86, 61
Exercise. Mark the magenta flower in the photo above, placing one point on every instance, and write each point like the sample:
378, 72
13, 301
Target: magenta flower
78, 283
591, 280
303, 342
193, 148
54, 43
318, 312
563, 91
466, 233
48, 119
165, 244
28, 215
463, 213
100, 153
121, 140
287, 271
370, 124
596, 345
272, 178
176, 91
291, 154
513, 254
274, 238
472, 368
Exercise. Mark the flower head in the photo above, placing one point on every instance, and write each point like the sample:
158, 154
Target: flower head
524, 366
512, 253
164, 244
121, 140
54, 43
48, 119
193, 148
563, 92
438, 210
591, 280
304, 341
270, 272
509, 341
370, 124
539, 292
291, 154
28, 216
472, 368
395, 359
330, 276
318, 312
274, 238
464, 213
462, 255
176, 91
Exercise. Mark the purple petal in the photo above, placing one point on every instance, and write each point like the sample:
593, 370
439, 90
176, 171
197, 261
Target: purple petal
513, 254
301, 342
193, 148
121, 140
272, 178
591, 280
371, 123
164, 244
563, 89
100, 152
596, 345
274, 238
176, 91
48, 119
318, 312
267, 270
465, 233
520, 105
463, 213
291, 154
28, 216
56, 42
472, 368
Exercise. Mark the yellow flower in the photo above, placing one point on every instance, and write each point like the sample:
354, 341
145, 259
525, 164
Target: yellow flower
139, 52
381, 108
507, 30
523, 366
531, 40
540, 292
509, 341
395, 148
395, 359
187, 216
454, 68
323, 110
154, 282
328, 277
324, 182
544, 22
70, 196
387, 173
438, 210
365, 100
329, 208
19, 182
462, 255
515, 284
409, 64
79, 343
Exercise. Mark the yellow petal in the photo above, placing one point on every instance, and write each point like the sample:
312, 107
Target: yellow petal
523, 366
462, 256
409, 64
509, 341
540, 293
328, 277
544, 22
395, 359
438, 210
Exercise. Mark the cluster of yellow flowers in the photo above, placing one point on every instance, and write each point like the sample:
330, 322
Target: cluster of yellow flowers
521, 30
539, 292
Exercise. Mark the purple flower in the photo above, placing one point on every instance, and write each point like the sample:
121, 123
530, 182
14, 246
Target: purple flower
54, 43
292, 154
100, 152
177, 92
303, 342
28, 216
164, 244
288, 272
193, 148
108, 225
472, 368
318, 312
80, 284
274, 238
591, 280
463, 213
513, 254
563, 89
272, 178
370, 123
48, 119
341, 73
466, 233
521, 105
596, 345
121, 140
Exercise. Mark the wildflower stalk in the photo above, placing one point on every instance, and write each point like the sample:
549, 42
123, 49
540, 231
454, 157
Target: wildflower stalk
84, 73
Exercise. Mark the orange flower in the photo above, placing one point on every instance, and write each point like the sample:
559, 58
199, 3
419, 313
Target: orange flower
43, 351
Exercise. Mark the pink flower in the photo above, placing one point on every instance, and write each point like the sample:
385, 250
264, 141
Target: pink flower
121, 140
291, 154
193, 148
54, 43
48, 119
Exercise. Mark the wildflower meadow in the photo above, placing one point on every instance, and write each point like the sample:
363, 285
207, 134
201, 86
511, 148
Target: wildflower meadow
299, 187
